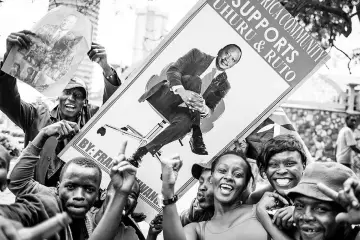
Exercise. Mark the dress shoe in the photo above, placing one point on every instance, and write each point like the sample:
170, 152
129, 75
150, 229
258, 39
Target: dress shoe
135, 159
197, 146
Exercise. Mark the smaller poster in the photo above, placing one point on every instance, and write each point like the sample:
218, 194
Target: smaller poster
61, 40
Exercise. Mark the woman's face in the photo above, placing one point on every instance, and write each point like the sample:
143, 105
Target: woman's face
285, 170
229, 178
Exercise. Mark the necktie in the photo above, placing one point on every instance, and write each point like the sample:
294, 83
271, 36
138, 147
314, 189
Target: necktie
207, 79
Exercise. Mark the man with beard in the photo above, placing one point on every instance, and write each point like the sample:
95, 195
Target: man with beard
76, 191
202, 207
184, 84
72, 106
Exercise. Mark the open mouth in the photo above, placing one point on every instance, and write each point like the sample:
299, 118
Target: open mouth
70, 107
283, 182
309, 232
226, 188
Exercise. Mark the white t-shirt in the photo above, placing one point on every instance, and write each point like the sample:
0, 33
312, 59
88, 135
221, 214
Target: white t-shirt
345, 139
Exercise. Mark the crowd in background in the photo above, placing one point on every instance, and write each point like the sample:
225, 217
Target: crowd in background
299, 199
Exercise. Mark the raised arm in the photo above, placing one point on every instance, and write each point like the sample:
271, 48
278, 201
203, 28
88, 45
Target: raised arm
122, 179
22, 177
11, 104
112, 81
173, 230
268, 201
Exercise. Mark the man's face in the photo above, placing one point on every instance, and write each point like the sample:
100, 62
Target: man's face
228, 57
71, 102
68, 23
351, 123
285, 170
315, 219
78, 189
132, 199
205, 194
4, 167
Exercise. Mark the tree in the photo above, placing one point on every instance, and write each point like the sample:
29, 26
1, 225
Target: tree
325, 19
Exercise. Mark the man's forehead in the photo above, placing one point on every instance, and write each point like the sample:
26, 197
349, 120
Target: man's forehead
77, 173
309, 200
205, 173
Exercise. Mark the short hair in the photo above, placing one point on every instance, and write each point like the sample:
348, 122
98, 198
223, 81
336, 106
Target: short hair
231, 45
240, 154
278, 144
347, 118
83, 162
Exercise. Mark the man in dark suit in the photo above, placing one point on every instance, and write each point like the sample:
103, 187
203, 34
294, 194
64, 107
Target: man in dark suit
183, 98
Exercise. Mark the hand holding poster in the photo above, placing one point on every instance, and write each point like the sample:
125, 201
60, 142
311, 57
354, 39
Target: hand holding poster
214, 79
58, 43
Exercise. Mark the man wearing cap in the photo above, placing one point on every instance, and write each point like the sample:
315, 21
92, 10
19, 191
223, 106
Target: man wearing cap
315, 212
73, 106
202, 207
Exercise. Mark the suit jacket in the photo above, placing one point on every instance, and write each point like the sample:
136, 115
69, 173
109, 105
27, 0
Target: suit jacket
193, 63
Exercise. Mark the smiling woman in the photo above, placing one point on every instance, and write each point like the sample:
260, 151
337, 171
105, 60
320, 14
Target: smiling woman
283, 160
230, 175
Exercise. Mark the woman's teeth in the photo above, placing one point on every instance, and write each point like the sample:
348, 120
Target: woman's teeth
225, 188
282, 182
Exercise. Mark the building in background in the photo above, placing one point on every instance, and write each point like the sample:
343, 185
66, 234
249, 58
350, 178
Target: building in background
150, 29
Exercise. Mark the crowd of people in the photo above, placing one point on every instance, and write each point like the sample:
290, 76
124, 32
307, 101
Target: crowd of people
56, 200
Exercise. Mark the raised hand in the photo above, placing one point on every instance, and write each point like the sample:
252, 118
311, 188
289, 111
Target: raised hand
269, 203
170, 169
283, 217
97, 54
122, 172
62, 129
348, 198
156, 225
18, 39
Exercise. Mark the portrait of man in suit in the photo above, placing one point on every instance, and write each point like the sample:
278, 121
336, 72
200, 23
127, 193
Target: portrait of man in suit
183, 98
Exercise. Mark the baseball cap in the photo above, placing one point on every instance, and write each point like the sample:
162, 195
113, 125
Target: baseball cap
76, 82
198, 168
332, 174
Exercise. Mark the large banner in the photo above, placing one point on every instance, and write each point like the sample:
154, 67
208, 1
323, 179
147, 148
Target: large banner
62, 39
243, 58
